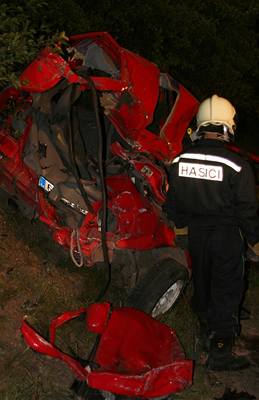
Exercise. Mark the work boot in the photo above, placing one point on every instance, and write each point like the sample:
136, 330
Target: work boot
202, 342
221, 357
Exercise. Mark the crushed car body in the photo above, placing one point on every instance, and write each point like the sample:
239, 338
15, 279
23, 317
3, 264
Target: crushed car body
84, 144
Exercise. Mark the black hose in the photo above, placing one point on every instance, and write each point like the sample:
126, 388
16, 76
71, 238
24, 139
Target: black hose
72, 157
81, 386
101, 172
103, 188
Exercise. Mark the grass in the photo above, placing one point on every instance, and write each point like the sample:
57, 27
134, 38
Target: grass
38, 279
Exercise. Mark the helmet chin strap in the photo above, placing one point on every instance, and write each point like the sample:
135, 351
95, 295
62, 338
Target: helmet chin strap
224, 136
215, 136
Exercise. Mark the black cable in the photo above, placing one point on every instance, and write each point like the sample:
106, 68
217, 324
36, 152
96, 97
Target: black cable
103, 188
72, 157
101, 172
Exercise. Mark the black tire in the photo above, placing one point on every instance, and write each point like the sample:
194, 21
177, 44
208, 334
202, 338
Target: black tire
168, 277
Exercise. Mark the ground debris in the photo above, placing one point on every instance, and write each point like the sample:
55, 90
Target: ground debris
230, 394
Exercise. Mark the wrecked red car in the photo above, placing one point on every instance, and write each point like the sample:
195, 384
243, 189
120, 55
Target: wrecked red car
84, 144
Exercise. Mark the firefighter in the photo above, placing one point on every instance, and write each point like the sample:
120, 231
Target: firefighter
212, 192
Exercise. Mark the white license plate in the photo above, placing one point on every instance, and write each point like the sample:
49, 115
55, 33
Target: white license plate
45, 184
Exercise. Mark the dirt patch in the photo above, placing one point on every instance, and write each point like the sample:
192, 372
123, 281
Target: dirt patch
212, 385
37, 280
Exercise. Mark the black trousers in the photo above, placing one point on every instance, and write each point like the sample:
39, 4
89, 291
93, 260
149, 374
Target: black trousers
218, 276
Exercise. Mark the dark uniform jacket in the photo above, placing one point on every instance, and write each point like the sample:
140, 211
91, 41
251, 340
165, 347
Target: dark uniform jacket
210, 185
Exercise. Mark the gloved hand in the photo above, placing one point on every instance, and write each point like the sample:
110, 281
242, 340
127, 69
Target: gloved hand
253, 252
181, 237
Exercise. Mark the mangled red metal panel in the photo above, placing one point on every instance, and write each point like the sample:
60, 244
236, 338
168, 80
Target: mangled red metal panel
136, 356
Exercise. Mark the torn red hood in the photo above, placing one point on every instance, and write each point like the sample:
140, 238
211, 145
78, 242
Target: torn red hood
153, 110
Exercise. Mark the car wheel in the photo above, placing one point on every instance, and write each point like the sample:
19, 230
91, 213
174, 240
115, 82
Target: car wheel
159, 288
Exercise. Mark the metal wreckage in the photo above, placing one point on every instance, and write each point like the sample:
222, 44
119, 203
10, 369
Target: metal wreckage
84, 147
84, 144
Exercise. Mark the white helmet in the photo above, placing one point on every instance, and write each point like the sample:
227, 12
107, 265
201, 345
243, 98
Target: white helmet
216, 111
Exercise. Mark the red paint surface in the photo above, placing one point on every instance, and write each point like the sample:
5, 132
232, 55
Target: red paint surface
136, 356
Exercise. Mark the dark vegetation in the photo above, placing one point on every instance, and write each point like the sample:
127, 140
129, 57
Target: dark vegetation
38, 280
209, 46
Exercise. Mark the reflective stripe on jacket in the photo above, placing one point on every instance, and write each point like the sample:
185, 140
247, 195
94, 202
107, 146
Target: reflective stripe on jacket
210, 185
